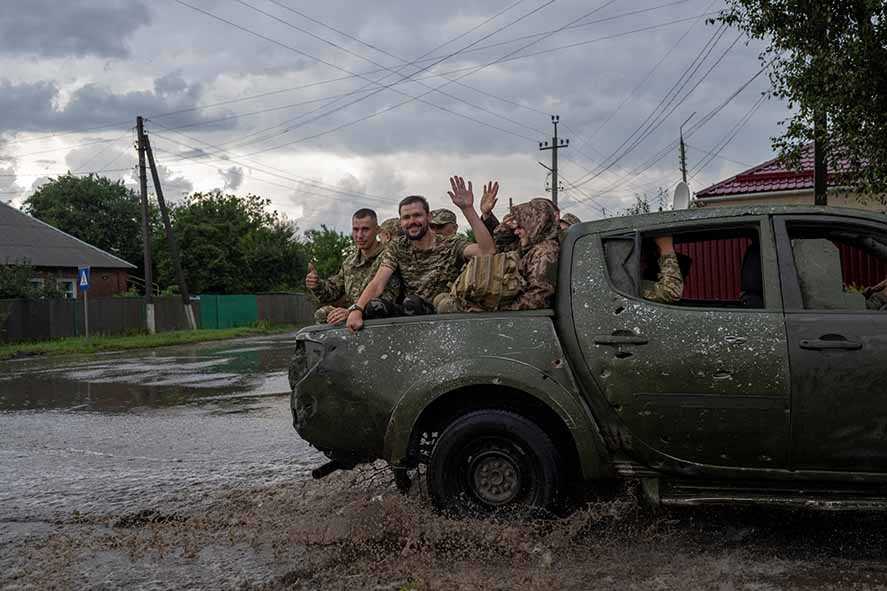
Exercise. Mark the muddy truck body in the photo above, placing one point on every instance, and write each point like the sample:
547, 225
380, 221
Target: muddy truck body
764, 384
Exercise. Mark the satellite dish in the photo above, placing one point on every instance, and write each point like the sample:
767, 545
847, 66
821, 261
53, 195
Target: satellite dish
681, 196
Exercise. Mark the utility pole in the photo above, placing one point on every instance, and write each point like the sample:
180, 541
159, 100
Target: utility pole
684, 149
146, 231
170, 235
820, 119
556, 144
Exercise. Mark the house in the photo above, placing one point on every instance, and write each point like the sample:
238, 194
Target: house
55, 255
772, 183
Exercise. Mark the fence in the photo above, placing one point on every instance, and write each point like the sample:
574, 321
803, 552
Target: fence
34, 320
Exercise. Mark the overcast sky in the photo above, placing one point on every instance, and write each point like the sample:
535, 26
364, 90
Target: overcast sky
329, 106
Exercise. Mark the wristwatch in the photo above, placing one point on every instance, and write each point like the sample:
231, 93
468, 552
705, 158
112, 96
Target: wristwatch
354, 307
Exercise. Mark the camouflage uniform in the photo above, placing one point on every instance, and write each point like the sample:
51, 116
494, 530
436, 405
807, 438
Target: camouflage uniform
345, 287
877, 300
570, 219
539, 259
441, 217
426, 273
669, 286
502, 234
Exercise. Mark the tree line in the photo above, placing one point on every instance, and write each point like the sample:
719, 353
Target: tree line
229, 243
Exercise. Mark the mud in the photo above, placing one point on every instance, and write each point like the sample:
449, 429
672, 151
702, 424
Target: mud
133, 473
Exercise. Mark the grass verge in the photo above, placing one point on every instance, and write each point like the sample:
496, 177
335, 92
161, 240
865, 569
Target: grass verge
82, 345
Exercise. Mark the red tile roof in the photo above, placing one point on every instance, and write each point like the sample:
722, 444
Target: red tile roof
765, 178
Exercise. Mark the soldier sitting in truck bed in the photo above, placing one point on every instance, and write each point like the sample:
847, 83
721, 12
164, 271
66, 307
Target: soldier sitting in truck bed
427, 262
358, 268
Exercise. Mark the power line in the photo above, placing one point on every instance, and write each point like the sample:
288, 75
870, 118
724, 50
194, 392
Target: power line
728, 137
734, 161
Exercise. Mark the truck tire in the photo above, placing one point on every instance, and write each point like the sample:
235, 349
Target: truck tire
494, 461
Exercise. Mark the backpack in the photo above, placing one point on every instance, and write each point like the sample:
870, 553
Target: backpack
489, 281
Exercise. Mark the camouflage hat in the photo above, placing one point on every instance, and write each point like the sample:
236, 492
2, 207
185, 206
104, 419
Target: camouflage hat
391, 225
570, 219
440, 217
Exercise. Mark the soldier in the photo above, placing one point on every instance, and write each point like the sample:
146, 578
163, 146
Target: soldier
669, 285
876, 296
443, 222
427, 262
535, 225
358, 268
389, 230
568, 220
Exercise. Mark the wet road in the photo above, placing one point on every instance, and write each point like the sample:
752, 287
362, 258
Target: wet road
129, 431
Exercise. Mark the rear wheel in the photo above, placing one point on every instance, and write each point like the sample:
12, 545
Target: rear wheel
494, 461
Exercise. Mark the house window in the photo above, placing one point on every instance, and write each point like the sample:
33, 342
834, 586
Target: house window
68, 288
37, 283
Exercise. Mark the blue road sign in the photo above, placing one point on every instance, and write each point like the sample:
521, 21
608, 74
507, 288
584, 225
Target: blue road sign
83, 278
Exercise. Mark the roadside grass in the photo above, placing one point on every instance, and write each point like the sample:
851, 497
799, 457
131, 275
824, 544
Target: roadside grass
83, 345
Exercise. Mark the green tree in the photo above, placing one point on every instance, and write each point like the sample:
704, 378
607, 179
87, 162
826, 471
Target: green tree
827, 59
327, 247
95, 209
15, 282
232, 244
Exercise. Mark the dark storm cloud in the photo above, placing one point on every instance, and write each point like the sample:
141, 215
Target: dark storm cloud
53, 28
32, 106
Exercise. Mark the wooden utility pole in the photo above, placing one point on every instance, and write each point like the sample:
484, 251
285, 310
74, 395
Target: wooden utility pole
556, 144
820, 118
170, 235
146, 230
683, 153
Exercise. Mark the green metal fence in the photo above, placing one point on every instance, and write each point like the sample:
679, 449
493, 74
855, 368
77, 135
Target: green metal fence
226, 311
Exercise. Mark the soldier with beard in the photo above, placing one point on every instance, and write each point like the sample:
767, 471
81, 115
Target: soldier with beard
427, 262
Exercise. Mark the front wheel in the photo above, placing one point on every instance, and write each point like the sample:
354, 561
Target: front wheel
494, 461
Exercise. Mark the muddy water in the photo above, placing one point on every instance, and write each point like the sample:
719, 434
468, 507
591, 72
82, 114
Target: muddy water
180, 469
133, 430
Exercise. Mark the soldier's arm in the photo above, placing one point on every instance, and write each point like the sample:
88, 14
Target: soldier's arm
330, 290
541, 277
373, 290
463, 198
669, 286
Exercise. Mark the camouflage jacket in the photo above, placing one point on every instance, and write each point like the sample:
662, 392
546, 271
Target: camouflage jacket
354, 275
426, 273
502, 235
538, 267
669, 286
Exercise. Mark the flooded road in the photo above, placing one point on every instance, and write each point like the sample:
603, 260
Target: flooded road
179, 469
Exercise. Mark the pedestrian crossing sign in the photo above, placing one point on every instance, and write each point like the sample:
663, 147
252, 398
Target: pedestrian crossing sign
83, 278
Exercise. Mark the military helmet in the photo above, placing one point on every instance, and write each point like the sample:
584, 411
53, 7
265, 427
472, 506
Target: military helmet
440, 217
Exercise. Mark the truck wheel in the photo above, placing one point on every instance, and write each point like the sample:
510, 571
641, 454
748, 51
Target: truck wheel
494, 461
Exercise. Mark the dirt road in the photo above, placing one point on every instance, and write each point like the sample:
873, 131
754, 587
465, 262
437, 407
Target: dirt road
180, 469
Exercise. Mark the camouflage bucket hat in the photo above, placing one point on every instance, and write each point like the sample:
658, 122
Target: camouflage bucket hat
391, 225
570, 219
439, 217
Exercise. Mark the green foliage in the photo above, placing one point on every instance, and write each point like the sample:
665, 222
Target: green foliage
645, 204
826, 56
232, 244
94, 209
15, 282
327, 247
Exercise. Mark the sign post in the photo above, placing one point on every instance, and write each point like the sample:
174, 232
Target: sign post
83, 287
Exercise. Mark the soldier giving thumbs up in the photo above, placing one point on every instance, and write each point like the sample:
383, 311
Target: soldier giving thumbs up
311, 279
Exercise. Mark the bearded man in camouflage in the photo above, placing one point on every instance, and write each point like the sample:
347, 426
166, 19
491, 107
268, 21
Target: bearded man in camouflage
360, 265
427, 262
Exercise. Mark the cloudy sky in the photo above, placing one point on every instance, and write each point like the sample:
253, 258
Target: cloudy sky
329, 106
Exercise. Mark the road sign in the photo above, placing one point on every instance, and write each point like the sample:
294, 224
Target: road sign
83, 278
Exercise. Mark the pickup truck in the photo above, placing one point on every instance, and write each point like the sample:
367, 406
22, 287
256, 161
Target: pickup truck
765, 383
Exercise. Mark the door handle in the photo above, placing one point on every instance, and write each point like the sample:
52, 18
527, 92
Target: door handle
620, 340
830, 344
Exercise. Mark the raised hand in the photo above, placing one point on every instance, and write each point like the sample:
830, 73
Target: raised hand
312, 280
665, 245
488, 201
337, 315
462, 197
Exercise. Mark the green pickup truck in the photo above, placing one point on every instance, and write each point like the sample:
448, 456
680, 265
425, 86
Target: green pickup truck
766, 383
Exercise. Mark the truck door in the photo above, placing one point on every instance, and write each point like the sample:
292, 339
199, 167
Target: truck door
704, 380
837, 341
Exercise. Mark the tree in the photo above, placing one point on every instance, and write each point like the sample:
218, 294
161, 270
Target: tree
15, 282
232, 244
827, 59
644, 204
95, 209
326, 248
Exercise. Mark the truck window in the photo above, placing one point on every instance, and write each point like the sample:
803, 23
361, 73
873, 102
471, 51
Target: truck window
840, 268
720, 268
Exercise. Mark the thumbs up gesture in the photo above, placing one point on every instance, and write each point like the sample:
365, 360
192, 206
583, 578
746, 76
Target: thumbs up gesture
312, 280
